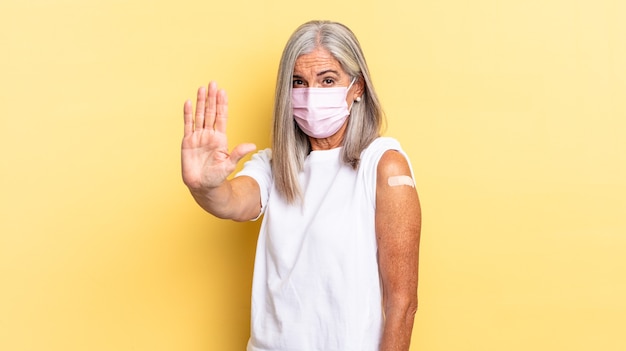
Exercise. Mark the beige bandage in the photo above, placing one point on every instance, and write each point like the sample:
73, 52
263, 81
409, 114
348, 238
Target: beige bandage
401, 180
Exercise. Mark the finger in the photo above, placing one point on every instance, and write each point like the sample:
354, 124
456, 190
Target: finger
211, 105
240, 151
187, 116
200, 102
221, 112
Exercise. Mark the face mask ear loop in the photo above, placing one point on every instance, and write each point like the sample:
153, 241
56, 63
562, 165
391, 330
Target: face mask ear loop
350, 86
347, 90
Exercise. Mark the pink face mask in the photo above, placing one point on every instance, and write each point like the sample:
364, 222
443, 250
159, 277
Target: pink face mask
320, 112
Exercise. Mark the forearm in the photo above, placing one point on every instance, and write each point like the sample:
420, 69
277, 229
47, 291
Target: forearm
214, 200
234, 199
399, 318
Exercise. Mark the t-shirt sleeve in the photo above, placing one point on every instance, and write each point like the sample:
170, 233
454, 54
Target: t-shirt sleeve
259, 168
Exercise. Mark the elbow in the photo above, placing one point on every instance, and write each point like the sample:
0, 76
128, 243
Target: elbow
404, 307
411, 310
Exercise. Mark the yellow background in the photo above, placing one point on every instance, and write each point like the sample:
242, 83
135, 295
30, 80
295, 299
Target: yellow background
513, 113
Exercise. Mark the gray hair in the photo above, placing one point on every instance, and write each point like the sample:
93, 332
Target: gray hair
290, 146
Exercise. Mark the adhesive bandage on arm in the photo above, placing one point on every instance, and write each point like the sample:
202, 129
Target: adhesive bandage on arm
401, 180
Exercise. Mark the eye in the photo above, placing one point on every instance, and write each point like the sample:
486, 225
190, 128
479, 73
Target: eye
298, 83
329, 81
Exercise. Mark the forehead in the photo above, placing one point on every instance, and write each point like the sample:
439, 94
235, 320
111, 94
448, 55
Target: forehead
316, 61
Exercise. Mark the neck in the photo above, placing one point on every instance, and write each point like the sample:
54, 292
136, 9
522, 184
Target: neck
333, 141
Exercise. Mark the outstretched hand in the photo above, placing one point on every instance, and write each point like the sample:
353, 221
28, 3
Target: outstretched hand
206, 162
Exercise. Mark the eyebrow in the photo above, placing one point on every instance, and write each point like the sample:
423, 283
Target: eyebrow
320, 73
327, 71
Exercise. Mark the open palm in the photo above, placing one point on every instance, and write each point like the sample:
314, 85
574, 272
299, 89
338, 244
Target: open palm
206, 162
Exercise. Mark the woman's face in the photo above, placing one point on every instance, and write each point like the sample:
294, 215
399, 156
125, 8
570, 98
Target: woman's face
319, 69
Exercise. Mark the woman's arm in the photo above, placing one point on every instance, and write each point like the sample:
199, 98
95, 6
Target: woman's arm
206, 162
238, 199
398, 224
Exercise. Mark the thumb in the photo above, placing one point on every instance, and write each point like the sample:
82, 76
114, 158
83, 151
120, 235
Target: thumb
240, 151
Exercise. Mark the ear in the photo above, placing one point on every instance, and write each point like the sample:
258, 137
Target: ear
359, 87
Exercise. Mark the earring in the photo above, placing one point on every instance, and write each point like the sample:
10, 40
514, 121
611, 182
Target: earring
358, 99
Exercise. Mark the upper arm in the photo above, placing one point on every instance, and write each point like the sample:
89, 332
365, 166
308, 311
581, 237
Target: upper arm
247, 191
251, 186
398, 225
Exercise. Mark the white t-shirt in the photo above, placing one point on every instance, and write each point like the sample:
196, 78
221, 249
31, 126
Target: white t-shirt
316, 283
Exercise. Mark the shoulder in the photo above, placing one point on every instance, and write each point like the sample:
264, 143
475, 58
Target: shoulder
395, 183
393, 162
386, 155
375, 150
384, 143
390, 160
382, 159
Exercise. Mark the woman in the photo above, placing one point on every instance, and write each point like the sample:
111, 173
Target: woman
337, 255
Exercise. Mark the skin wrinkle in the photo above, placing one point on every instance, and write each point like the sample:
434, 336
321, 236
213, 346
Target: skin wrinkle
319, 69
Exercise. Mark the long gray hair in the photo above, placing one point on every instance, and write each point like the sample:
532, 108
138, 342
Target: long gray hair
290, 145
